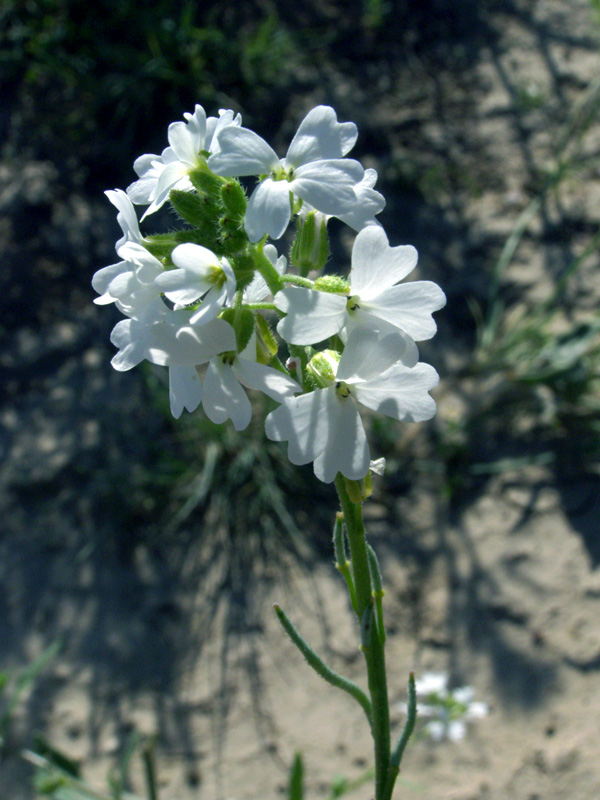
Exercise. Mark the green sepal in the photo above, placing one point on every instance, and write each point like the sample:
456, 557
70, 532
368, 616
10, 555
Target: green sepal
243, 267
242, 322
207, 183
161, 245
232, 235
233, 198
206, 235
267, 347
191, 207
332, 283
310, 250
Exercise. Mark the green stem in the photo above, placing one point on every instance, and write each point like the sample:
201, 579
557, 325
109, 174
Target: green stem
373, 648
298, 280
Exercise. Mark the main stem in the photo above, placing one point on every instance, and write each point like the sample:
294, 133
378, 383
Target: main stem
373, 648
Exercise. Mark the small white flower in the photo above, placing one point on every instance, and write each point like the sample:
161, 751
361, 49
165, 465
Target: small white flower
374, 300
314, 170
201, 274
166, 338
223, 396
190, 142
324, 426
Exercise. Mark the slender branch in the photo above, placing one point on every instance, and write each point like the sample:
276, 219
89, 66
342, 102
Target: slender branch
409, 726
321, 668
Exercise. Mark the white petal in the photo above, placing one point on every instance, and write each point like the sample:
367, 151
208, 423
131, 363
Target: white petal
401, 392
167, 180
304, 423
376, 265
347, 449
409, 307
127, 218
321, 136
328, 185
223, 398
195, 258
185, 143
185, 389
369, 203
200, 344
265, 379
181, 286
268, 210
312, 316
243, 152
102, 279
368, 354
359, 318
211, 305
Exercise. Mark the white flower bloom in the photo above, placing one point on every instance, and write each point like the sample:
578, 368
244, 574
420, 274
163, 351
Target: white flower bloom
432, 683
257, 290
223, 396
130, 283
201, 274
166, 338
324, 426
190, 142
374, 300
314, 170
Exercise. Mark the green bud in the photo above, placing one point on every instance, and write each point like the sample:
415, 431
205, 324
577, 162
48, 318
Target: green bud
234, 199
310, 249
323, 366
266, 344
207, 183
232, 235
332, 283
190, 207
242, 322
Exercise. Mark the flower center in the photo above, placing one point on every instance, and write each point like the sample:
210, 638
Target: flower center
281, 173
342, 389
352, 303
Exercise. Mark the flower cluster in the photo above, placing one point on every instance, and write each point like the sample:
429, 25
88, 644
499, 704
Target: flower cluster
447, 710
201, 300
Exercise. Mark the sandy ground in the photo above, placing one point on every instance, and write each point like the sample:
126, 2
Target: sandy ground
501, 588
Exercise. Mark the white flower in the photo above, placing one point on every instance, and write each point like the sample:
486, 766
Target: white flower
130, 284
223, 396
314, 170
374, 300
449, 709
166, 338
116, 282
190, 142
201, 274
324, 426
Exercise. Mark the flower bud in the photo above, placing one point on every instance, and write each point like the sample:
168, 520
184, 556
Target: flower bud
323, 366
310, 249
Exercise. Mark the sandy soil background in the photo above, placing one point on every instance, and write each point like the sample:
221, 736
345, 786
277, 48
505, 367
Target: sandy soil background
498, 585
